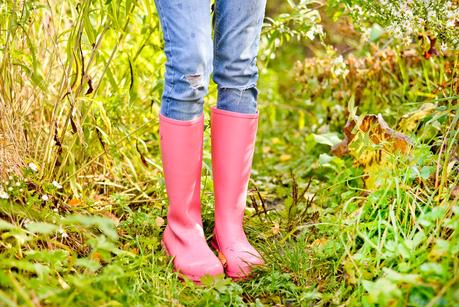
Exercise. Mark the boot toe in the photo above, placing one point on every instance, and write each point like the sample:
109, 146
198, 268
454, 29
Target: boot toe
193, 260
195, 270
241, 263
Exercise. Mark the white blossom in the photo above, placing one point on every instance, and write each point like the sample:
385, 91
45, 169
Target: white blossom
45, 197
57, 185
62, 232
3, 194
313, 31
406, 19
339, 67
33, 167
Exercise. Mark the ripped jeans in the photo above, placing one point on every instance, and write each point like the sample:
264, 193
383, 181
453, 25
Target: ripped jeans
192, 54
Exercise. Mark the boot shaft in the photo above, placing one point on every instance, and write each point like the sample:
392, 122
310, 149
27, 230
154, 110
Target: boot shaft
233, 142
181, 151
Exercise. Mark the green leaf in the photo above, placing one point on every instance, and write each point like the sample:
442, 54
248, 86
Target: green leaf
376, 32
404, 251
330, 139
105, 225
382, 291
89, 264
325, 159
432, 268
4, 225
54, 258
426, 171
40, 227
399, 277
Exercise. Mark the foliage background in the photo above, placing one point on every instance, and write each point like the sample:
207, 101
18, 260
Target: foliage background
82, 200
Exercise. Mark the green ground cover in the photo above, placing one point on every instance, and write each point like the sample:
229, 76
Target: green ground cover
344, 209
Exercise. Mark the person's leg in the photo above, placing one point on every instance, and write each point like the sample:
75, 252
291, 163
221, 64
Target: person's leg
234, 127
187, 35
236, 39
188, 46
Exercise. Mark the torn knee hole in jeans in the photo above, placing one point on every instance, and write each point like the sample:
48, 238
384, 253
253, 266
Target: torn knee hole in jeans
241, 90
196, 81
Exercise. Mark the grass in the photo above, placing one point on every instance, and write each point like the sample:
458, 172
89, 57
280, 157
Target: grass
83, 203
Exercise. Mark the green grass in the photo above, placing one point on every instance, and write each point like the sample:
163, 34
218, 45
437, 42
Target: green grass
373, 227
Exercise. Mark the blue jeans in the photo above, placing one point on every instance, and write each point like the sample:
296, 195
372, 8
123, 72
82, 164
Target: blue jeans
192, 54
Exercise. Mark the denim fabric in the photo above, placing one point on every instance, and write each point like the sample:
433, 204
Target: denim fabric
192, 55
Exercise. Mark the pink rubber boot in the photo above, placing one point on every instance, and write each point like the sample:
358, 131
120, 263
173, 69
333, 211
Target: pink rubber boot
233, 140
181, 150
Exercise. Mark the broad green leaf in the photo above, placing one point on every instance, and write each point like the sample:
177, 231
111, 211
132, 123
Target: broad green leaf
4, 225
330, 139
88, 264
106, 225
42, 228
400, 277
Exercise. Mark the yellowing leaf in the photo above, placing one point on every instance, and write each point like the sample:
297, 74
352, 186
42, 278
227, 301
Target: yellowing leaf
96, 256
74, 202
63, 283
159, 221
275, 141
285, 157
410, 121
371, 142
275, 229
319, 242
222, 259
